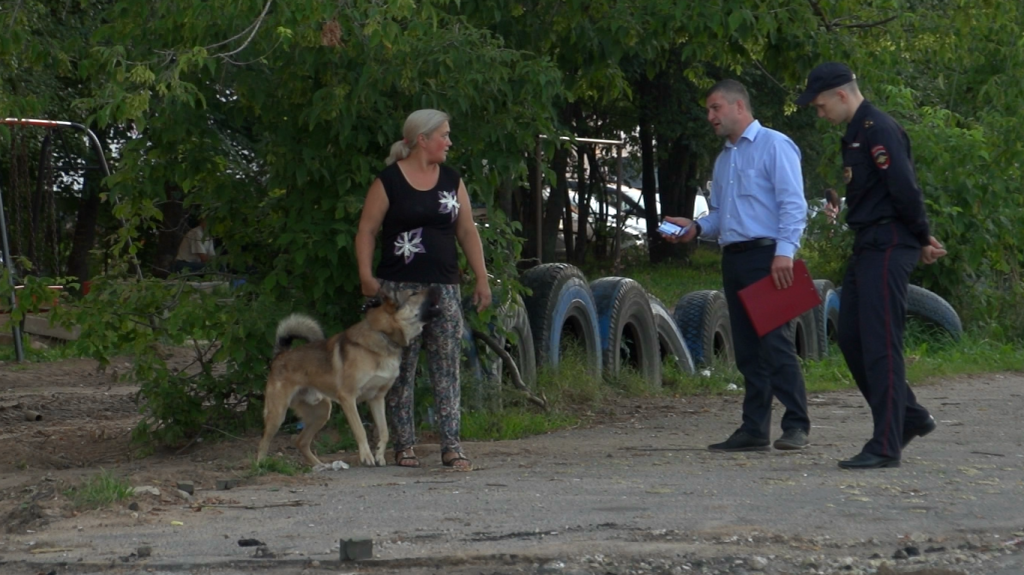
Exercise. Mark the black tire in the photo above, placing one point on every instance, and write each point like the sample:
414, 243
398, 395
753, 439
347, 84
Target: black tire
626, 325
805, 335
703, 318
824, 287
481, 363
931, 307
521, 348
670, 340
926, 305
561, 301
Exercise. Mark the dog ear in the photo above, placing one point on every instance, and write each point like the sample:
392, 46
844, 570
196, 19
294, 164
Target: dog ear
401, 297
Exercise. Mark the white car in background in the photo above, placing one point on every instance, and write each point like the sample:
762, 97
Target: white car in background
634, 222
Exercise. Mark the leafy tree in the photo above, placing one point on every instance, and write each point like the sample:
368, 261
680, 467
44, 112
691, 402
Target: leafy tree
274, 119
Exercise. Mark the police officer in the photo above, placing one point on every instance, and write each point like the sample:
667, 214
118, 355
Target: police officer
885, 208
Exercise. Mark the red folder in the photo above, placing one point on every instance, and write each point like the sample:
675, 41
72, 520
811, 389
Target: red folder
768, 307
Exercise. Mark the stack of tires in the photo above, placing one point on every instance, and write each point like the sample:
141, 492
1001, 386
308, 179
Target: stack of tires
618, 324
613, 320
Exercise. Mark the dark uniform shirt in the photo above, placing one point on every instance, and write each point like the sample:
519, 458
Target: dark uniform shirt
879, 173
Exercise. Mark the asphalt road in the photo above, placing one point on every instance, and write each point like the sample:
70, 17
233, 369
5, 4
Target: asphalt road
641, 495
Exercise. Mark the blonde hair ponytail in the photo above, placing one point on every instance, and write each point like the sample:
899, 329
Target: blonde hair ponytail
399, 151
420, 122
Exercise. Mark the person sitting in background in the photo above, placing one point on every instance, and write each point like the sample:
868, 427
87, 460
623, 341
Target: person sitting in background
195, 251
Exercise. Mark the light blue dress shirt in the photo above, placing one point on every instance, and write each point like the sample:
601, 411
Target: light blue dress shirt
757, 191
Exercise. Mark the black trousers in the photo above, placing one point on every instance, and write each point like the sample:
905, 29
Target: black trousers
872, 317
769, 364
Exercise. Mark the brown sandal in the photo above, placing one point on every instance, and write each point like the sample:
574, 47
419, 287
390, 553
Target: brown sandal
406, 458
458, 461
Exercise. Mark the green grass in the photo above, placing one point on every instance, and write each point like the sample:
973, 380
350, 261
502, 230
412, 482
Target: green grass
336, 435
572, 384
931, 355
513, 423
672, 280
272, 464
99, 491
55, 351
567, 390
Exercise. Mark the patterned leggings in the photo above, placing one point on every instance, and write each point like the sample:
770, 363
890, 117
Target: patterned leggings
443, 338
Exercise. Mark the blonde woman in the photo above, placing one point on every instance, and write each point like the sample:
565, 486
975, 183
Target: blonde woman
421, 208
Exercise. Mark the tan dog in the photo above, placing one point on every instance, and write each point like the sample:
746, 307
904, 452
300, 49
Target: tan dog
359, 364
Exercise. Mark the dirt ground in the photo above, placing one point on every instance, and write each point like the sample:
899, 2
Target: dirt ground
633, 491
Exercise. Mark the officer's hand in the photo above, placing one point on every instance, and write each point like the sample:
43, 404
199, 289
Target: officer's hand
782, 272
681, 222
932, 252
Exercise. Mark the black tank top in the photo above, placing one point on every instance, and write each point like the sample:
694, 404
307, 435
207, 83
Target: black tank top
418, 233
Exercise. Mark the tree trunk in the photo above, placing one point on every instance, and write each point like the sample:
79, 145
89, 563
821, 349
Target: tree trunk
675, 170
526, 213
582, 211
37, 226
85, 228
658, 249
86, 220
555, 206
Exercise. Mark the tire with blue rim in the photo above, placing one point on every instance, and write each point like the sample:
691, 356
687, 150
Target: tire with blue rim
832, 315
826, 315
561, 306
670, 340
626, 325
703, 318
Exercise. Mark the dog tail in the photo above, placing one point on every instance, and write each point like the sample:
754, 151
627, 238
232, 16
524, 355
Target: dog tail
296, 326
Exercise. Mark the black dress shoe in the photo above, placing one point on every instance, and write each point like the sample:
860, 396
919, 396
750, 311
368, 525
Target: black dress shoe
741, 441
909, 434
792, 439
869, 461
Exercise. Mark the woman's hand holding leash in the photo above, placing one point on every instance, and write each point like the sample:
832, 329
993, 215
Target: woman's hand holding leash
370, 286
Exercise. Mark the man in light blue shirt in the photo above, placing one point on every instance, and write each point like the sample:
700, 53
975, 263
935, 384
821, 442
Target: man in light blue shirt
758, 213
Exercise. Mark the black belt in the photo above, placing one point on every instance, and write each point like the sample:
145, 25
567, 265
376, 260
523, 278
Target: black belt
737, 247
878, 222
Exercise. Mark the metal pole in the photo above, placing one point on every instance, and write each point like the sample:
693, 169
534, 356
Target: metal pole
618, 212
19, 351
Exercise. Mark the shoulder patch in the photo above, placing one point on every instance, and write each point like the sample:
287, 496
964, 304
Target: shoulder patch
869, 123
881, 156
